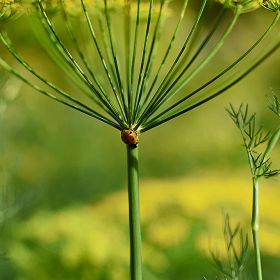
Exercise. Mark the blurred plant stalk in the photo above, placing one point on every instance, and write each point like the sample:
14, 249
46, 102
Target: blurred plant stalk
260, 164
237, 251
132, 79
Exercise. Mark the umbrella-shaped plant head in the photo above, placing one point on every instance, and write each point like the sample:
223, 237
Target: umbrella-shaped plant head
134, 61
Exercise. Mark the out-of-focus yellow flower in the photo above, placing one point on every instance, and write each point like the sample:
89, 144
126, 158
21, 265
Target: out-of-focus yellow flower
169, 231
75, 8
50, 6
98, 235
242, 6
144, 10
10, 9
272, 5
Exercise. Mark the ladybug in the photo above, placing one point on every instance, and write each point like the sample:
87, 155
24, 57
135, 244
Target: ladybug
130, 138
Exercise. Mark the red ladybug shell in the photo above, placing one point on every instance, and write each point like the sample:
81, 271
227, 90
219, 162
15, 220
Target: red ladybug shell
130, 138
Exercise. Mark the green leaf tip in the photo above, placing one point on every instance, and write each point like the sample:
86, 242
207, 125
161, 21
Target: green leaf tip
272, 141
274, 105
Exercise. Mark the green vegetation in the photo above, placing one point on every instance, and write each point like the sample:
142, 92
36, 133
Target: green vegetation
260, 167
64, 210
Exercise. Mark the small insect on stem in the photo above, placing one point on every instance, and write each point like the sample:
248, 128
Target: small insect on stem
130, 138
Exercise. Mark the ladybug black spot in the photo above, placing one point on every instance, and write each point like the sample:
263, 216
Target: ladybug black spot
133, 146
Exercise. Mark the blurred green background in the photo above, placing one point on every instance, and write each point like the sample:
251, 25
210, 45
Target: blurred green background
63, 177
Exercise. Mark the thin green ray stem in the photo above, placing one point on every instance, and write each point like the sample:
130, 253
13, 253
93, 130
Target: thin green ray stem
197, 53
154, 101
151, 56
92, 114
255, 226
75, 42
93, 36
197, 38
111, 55
203, 62
141, 71
103, 98
166, 53
104, 40
60, 56
8, 44
62, 62
232, 80
163, 97
127, 34
133, 60
158, 121
117, 68
134, 214
78, 48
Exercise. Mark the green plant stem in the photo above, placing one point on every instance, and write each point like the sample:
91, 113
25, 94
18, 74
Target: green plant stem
255, 226
134, 214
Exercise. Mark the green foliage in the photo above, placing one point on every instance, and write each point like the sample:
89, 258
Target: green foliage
141, 87
274, 104
259, 163
237, 254
253, 136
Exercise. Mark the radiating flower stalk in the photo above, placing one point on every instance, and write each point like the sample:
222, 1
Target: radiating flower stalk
260, 164
132, 79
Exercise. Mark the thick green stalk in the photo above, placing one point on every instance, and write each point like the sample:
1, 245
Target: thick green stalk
134, 214
255, 226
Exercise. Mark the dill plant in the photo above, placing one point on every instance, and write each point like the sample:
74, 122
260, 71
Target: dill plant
134, 87
253, 137
259, 162
237, 251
